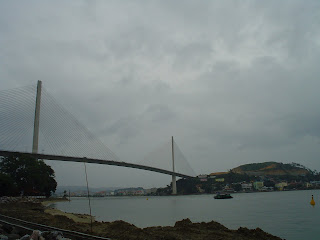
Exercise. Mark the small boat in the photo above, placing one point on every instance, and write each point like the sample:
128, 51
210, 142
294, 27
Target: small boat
222, 196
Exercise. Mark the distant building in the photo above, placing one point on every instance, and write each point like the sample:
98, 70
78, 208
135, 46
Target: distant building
129, 192
203, 176
315, 183
79, 194
258, 185
138, 192
219, 179
246, 186
281, 185
100, 194
121, 193
266, 189
228, 189
150, 191
308, 185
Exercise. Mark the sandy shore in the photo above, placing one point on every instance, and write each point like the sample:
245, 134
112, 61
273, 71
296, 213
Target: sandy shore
80, 218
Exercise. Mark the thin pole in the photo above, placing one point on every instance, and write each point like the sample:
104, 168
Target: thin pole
85, 169
36, 119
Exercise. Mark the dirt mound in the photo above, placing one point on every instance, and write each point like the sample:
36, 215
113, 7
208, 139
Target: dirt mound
183, 223
257, 233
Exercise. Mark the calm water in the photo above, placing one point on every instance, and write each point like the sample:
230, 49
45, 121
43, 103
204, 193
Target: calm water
285, 214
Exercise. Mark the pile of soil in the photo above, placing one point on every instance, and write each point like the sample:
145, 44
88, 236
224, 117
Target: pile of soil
185, 229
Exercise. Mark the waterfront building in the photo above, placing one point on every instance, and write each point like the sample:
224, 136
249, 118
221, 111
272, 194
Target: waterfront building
281, 185
266, 189
308, 185
315, 183
258, 185
138, 192
130, 192
100, 194
228, 189
246, 186
150, 191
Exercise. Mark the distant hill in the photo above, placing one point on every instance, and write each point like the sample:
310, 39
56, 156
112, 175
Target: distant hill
272, 168
60, 189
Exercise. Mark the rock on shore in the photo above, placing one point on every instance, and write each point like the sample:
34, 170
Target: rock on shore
11, 233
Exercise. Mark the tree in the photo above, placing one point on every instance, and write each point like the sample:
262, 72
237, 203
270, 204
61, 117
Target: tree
237, 187
7, 186
187, 186
269, 183
31, 176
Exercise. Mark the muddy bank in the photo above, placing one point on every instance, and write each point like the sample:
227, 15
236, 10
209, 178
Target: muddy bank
185, 229
47, 202
81, 218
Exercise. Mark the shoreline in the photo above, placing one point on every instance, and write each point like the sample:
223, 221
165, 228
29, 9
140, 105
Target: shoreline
85, 218
196, 194
79, 218
40, 212
49, 201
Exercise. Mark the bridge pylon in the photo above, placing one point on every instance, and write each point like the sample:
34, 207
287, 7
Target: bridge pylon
35, 142
174, 180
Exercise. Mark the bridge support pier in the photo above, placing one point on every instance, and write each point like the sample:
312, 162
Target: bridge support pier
174, 185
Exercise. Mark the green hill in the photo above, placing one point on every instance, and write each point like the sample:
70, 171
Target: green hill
272, 168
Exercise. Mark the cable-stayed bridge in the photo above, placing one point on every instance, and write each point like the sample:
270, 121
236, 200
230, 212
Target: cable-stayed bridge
32, 119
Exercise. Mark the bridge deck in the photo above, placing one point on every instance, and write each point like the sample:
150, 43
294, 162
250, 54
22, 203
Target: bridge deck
92, 160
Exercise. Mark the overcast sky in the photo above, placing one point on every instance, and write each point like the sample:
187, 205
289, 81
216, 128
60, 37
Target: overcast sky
234, 82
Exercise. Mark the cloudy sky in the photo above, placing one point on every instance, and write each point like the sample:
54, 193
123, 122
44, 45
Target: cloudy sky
234, 82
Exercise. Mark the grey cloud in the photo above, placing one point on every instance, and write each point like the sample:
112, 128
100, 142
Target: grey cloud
193, 55
158, 112
132, 126
234, 82
303, 124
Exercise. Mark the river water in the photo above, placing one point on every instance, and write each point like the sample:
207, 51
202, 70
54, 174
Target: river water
288, 215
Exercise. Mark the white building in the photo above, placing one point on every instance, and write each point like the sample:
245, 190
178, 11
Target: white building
246, 186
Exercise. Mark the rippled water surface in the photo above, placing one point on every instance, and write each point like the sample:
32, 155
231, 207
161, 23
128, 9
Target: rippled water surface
285, 214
